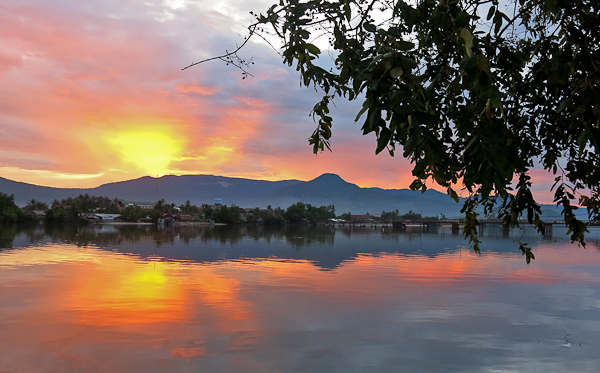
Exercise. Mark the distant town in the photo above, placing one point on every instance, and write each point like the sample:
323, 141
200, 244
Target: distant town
86, 208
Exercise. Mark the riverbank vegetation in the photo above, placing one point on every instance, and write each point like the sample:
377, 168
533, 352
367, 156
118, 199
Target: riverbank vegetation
84, 208
11, 213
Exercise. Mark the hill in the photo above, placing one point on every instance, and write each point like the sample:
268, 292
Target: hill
326, 189
330, 189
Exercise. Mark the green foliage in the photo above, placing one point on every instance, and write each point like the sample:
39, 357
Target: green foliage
254, 216
35, 205
274, 220
392, 216
10, 212
188, 209
162, 207
268, 216
410, 215
84, 203
593, 205
207, 211
389, 216
300, 213
527, 252
69, 209
228, 215
59, 216
296, 213
132, 213
273, 217
471, 92
345, 216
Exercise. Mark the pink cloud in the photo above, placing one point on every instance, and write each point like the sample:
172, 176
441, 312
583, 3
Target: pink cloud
251, 101
203, 91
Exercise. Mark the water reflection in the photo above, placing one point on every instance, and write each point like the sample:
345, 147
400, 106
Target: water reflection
327, 247
129, 299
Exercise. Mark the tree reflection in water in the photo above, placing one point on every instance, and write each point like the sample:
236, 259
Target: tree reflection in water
111, 298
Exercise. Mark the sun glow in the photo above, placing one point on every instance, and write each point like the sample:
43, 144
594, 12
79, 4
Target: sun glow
134, 293
149, 149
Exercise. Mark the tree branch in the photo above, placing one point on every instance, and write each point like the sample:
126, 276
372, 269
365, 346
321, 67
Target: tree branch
228, 55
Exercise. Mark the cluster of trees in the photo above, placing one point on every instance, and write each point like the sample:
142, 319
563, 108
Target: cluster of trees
301, 212
11, 213
85, 203
70, 208
269, 216
133, 213
222, 214
298, 213
35, 205
391, 216
188, 209
136, 213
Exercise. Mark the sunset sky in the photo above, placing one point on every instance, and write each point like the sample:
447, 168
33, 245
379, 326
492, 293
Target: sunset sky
93, 92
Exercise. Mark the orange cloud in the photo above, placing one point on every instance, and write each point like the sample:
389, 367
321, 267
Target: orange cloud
203, 91
188, 352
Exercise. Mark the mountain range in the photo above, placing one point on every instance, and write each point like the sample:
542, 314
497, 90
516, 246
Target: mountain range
327, 189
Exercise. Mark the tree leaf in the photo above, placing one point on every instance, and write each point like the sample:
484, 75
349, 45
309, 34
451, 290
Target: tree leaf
466, 35
491, 12
396, 72
312, 48
384, 139
453, 194
369, 27
404, 45
365, 107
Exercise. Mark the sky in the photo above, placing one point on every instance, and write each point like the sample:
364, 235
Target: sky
93, 92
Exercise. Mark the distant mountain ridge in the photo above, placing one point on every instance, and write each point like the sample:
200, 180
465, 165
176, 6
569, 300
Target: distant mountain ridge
330, 189
327, 189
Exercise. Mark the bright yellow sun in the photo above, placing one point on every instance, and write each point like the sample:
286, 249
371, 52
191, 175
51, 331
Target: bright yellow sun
150, 149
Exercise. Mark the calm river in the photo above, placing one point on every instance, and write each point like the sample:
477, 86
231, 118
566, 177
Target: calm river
112, 298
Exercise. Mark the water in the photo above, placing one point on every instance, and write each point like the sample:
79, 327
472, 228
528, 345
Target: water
247, 299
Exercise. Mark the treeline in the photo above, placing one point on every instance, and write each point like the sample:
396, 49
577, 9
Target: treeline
392, 216
298, 213
68, 209
74, 209
11, 213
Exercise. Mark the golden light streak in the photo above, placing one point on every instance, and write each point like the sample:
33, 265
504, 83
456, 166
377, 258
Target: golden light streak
19, 173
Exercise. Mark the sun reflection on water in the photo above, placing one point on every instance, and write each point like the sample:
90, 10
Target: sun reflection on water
84, 302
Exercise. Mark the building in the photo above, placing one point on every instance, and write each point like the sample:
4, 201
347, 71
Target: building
140, 204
